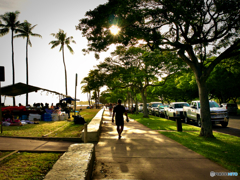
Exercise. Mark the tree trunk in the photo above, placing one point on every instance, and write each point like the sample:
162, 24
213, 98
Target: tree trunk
27, 70
144, 98
98, 97
65, 70
136, 105
206, 124
89, 98
129, 100
13, 68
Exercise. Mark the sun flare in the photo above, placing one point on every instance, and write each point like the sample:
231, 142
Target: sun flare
114, 29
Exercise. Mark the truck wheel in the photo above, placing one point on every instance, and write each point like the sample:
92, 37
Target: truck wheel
198, 121
224, 124
186, 120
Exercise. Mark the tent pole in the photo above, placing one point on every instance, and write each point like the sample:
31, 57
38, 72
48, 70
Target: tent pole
1, 108
75, 96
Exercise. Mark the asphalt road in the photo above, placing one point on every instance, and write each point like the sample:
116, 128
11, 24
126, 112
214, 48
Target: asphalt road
233, 127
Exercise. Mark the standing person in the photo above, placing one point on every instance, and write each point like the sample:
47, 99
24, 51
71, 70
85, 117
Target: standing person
119, 110
110, 109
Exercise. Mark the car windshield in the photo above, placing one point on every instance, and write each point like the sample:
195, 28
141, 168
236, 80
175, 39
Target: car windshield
180, 105
156, 104
162, 107
211, 104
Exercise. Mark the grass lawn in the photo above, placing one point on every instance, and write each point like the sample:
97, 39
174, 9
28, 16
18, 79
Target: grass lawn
25, 165
32, 166
223, 149
158, 123
2, 154
69, 129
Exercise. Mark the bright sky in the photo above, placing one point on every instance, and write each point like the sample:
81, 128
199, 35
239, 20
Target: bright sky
46, 68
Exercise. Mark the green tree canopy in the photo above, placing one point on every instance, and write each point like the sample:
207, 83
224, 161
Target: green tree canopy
195, 29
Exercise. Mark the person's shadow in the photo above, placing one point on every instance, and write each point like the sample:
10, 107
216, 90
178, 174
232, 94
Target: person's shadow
119, 151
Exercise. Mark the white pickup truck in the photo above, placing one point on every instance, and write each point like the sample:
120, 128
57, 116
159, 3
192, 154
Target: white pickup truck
175, 110
218, 114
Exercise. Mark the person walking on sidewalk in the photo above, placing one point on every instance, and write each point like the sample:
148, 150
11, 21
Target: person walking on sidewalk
119, 110
110, 109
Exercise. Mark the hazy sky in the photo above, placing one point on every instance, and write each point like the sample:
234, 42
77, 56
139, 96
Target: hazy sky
46, 68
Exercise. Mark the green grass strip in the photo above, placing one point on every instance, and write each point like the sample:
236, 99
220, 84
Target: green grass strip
38, 130
25, 165
223, 149
158, 123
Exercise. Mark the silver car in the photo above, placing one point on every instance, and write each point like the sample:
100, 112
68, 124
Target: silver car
152, 106
159, 111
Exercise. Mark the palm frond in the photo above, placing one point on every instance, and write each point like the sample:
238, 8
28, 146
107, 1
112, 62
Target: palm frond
53, 34
33, 27
36, 35
3, 31
54, 44
70, 49
19, 35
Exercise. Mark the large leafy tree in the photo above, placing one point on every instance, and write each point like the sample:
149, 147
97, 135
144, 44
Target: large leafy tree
10, 22
62, 40
132, 67
180, 87
195, 29
25, 31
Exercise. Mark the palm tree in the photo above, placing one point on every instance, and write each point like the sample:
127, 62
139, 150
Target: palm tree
10, 19
86, 89
25, 30
62, 40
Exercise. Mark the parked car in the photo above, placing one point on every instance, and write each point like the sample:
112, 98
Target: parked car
159, 111
231, 108
152, 106
175, 110
218, 114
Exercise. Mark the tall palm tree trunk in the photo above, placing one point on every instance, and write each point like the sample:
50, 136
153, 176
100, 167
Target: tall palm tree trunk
13, 68
65, 70
27, 70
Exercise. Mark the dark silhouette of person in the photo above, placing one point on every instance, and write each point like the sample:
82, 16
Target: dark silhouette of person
119, 110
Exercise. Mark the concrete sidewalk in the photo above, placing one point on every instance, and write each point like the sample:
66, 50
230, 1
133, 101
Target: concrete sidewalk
11, 144
142, 153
